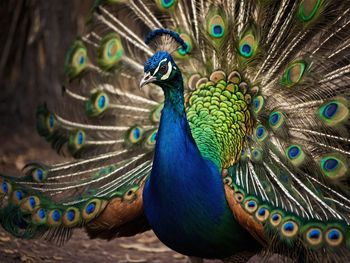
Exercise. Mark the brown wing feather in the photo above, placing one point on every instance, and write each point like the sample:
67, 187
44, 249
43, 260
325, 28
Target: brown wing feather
122, 216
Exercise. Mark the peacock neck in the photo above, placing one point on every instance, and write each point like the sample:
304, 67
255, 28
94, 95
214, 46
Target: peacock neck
174, 97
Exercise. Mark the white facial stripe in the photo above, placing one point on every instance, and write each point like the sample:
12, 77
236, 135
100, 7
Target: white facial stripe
166, 76
156, 70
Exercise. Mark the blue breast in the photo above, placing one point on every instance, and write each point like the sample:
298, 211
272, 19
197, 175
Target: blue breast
184, 198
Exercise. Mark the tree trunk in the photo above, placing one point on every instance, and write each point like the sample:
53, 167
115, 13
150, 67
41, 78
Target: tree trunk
34, 36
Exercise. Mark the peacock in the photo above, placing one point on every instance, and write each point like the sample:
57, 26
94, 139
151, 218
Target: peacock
221, 125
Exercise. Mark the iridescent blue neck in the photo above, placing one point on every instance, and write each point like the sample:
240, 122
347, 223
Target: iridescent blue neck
173, 93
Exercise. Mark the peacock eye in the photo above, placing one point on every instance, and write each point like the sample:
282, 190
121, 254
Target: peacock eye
163, 69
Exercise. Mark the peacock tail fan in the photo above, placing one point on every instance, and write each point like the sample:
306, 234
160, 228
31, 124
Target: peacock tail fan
267, 100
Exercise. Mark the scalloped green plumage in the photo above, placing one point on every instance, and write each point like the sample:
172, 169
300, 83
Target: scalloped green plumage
219, 108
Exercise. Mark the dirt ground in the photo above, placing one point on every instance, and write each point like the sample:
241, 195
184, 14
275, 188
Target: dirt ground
19, 147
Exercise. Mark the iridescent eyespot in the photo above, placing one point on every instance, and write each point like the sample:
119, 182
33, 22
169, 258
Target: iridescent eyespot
262, 213
257, 154
261, 133
76, 60
39, 174
5, 187
130, 194
39, 216
181, 52
166, 4
216, 26
258, 104
334, 112
239, 196
275, 219
289, 228
50, 122
71, 217
30, 203
250, 206
293, 74
314, 236
76, 141
334, 237
97, 104
227, 180
110, 52
17, 197
308, 9
151, 139
276, 120
91, 209
54, 217
248, 46
135, 135
333, 167
295, 154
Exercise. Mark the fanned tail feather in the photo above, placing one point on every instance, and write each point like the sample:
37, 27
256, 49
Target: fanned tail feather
288, 60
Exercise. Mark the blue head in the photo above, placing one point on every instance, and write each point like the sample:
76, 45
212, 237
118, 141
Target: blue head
161, 69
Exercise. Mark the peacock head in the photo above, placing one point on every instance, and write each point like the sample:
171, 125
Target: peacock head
161, 68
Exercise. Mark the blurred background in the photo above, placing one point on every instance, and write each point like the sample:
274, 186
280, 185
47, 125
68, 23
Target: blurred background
34, 36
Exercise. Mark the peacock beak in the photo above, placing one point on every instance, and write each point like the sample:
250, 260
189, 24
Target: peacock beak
147, 78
